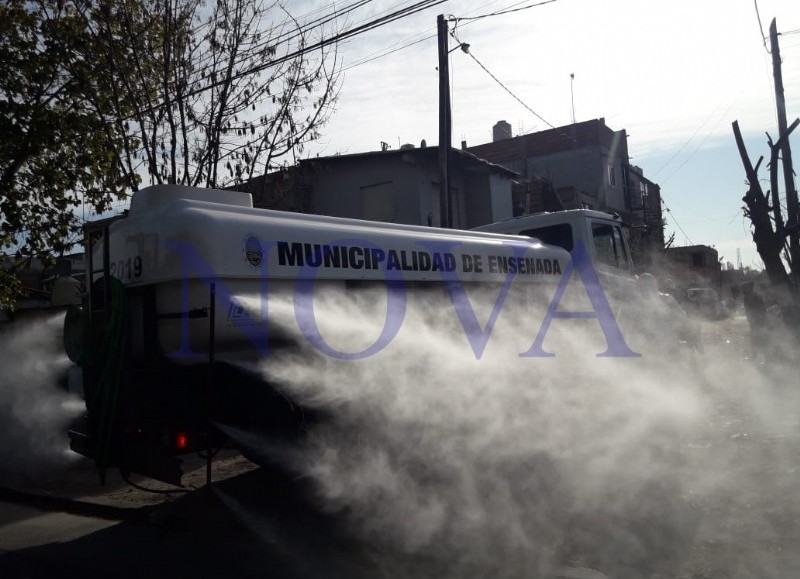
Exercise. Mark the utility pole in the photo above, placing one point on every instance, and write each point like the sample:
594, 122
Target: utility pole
445, 130
792, 210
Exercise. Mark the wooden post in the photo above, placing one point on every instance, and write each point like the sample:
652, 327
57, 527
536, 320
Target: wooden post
792, 211
445, 133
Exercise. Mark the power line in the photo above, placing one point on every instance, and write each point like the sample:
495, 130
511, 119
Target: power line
386, 52
508, 90
690, 139
384, 18
356, 30
350, 33
301, 29
760, 27
506, 11
407, 42
414, 40
305, 28
471, 20
678, 225
272, 42
686, 142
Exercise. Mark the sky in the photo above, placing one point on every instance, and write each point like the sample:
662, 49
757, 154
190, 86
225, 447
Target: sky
674, 75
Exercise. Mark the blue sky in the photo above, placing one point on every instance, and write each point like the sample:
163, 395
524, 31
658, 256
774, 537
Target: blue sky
674, 74
703, 191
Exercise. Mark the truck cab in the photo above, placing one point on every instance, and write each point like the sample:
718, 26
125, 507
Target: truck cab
603, 235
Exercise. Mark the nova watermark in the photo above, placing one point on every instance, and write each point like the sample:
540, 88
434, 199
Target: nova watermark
436, 257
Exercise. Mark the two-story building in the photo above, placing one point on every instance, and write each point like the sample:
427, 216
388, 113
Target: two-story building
583, 165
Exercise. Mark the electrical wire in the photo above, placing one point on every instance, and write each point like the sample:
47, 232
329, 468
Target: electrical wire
512, 8
381, 54
507, 11
508, 90
760, 27
200, 85
383, 19
347, 34
283, 37
697, 148
411, 41
365, 26
305, 28
686, 142
678, 225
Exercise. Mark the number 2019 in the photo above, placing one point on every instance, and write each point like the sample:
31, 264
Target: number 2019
127, 269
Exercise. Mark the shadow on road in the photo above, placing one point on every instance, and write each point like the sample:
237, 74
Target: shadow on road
259, 524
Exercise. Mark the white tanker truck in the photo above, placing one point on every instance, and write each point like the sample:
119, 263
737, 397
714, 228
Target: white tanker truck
178, 303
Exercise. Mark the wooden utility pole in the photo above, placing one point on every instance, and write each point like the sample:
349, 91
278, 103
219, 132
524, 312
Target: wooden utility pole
445, 131
792, 210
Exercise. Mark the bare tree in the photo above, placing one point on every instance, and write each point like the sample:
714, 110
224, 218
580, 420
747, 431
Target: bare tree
777, 241
219, 93
769, 230
771, 235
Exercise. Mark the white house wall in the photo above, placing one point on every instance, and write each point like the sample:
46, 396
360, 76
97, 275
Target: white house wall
361, 187
339, 187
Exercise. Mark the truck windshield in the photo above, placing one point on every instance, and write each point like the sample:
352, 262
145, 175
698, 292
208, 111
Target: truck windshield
559, 235
609, 246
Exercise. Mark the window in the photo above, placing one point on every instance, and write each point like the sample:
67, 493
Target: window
609, 246
559, 235
612, 176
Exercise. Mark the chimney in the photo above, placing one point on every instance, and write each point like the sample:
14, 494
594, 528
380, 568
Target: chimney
463, 145
501, 131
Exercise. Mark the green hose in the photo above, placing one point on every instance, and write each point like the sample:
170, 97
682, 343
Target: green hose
102, 395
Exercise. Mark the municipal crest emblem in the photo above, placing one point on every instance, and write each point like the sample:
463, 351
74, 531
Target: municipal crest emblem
253, 252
